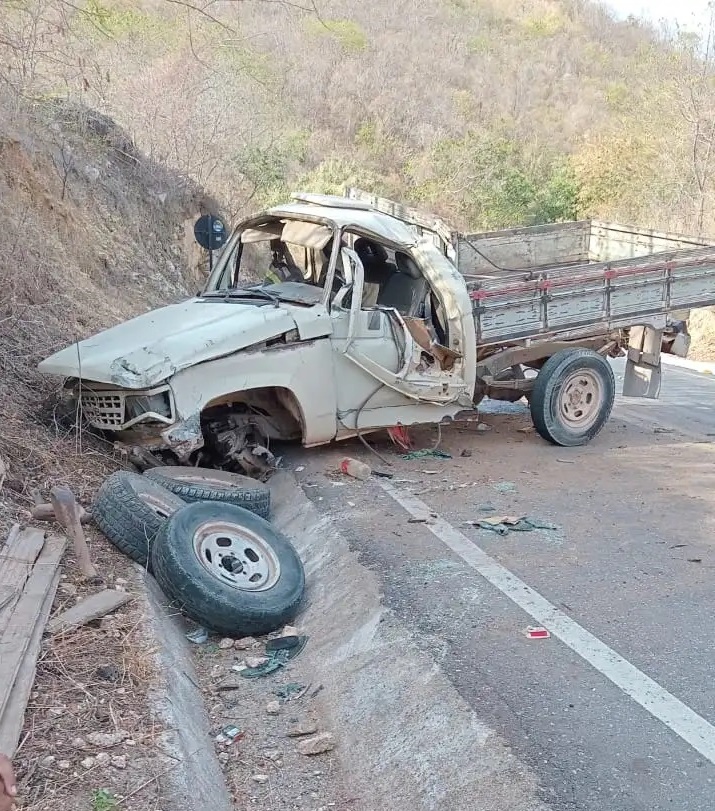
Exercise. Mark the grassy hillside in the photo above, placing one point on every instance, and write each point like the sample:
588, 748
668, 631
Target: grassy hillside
492, 112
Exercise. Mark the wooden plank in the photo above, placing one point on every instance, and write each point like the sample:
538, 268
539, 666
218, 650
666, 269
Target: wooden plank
17, 557
94, 607
21, 625
13, 719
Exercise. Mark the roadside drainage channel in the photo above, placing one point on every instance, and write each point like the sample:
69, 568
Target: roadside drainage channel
405, 737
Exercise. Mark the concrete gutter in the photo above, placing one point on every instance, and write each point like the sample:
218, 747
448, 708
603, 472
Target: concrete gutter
406, 738
197, 782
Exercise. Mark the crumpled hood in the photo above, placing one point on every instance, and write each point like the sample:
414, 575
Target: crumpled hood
148, 349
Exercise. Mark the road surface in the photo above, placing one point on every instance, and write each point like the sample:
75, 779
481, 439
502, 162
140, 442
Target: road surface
616, 710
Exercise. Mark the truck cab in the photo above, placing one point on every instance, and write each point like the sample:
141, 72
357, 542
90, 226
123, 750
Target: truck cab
321, 319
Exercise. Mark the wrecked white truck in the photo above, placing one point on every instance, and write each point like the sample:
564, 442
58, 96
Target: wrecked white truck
329, 317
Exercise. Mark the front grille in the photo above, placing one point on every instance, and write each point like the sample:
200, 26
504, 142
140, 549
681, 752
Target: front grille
103, 410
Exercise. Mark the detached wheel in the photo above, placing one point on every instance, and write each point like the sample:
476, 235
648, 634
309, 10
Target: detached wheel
206, 484
130, 510
573, 397
228, 569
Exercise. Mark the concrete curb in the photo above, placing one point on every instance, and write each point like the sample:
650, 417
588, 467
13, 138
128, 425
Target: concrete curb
406, 738
197, 783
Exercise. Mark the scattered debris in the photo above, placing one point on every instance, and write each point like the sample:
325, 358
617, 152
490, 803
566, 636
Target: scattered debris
256, 661
664, 430
427, 453
199, 636
229, 734
695, 560
503, 524
92, 608
482, 427
291, 691
528, 430
466, 453
286, 648
301, 728
244, 643
504, 487
273, 707
381, 474
356, 469
567, 461
226, 643
260, 778
317, 745
486, 508
119, 761
536, 633
300, 469
87, 763
106, 740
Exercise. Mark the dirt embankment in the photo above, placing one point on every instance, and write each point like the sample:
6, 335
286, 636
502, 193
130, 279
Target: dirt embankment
701, 325
91, 233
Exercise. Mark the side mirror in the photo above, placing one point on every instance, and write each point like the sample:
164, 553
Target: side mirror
210, 232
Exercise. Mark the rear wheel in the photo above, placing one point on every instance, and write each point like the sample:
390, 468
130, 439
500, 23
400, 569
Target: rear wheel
573, 397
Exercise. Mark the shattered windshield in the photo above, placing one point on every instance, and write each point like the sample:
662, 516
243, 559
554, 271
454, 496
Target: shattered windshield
274, 261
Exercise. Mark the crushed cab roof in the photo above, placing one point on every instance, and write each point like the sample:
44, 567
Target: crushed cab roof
349, 214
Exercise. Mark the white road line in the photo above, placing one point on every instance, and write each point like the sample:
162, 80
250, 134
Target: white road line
686, 723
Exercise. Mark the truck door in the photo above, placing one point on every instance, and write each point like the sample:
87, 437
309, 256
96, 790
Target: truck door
385, 371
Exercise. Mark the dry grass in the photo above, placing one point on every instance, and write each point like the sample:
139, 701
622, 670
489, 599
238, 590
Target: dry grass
91, 233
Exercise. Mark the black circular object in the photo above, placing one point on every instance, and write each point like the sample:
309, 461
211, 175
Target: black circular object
194, 557
572, 397
210, 232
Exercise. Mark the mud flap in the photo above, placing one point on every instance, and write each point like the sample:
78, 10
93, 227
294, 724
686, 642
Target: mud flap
643, 367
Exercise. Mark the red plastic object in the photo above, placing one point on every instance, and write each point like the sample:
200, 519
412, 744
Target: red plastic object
400, 437
537, 633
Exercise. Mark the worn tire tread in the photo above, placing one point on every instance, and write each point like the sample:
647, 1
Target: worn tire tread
257, 501
124, 519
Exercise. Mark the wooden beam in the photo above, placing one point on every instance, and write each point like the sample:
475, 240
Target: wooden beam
13, 719
17, 557
92, 608
20, 629
67, 512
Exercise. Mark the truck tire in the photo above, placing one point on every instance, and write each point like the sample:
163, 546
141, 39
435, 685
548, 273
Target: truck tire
228, 569
205, 484
130, 510
573, 397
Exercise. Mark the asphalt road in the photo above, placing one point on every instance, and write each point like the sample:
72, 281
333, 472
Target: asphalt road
629, 565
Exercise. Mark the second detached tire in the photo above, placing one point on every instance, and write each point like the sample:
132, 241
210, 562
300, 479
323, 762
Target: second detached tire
228, 569
573, 397
130, 510
205, 484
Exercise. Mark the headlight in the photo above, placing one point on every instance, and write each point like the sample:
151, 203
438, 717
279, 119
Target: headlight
147, 406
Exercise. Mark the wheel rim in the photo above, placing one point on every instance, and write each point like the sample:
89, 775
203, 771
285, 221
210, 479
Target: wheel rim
580, 400
236, 556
